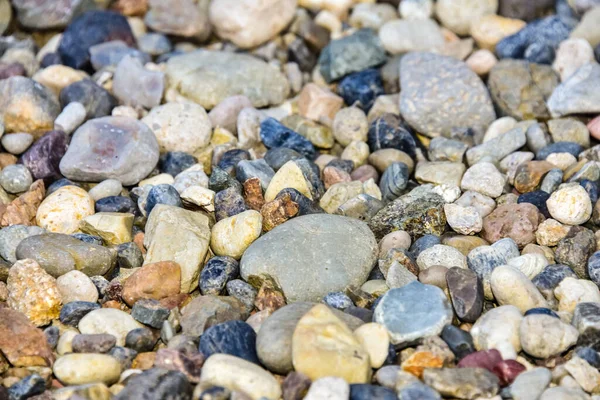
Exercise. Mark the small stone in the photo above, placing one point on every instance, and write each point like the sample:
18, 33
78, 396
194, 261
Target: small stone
573, 96
15, 178
366, 47
416, 82
572, 54
63, 210
441, 255
585, 375
361, 88
108, 320
98, 343
499, 329
152, 281
235, 338
483, 178
21, 342
481, 62
570, 205
464, 220
543, 336
78, 369
571, 291
530, 384
466, 293
205, 311
71, 313
180, 18
466, 383
113, 228
405, 328
157, 382
227, 371
275, 134
491, 29
76, 286
96, 100
17, 143
375, 340
232, 236
350, 124
575, 249
150, 312
399, 36
511, 286
43, 157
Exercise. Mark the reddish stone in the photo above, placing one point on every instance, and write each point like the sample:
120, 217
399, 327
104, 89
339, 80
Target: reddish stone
507, 371
138, 239
516, 221
529, 175
21, 342
253, 194
364, 173
178, 300
481, 359
144, 361
333, 175
594, 127
13, 69
152, 281
270, 297
278, 211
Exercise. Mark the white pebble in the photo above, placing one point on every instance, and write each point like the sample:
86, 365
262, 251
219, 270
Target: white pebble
17, 143
71, 117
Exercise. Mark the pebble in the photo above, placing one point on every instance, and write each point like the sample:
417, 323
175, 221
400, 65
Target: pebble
571, 291
235, 338
399, 36
108, 320
375, 340
516, 221
15, 178
106, 188
232, 236
572, 54
84, 368
333, 388
466, 293
462, 382
499, 329
63, 210
573, 96
544, 336
76, 286
17, 143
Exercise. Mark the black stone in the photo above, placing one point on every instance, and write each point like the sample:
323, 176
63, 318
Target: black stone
52, 334
221, 180
229, 202
230, 159
306, 205
274, 134
84, 237
150, 312
71, 313
541, 310
43, 157
119, 204
216, 273
460, 342
141, 340
538, 198
98, 102
466, 293
27, 387
361, 88
559, 147
394, 181
592, 189
162, 194
124, 355
371, 392
338, 300
89, 29
312, 174
174, 162
129, 255
157, 384
299, 53
390, 132
278, 156
422, 244
245, 170
236, 338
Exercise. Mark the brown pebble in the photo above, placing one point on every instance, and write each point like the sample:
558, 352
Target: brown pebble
278, 211
516, 221
434, 275
270, 296
22, 210
153, 281
333, 175
253, 194
7, 159
144, 361
364, 173
529, 175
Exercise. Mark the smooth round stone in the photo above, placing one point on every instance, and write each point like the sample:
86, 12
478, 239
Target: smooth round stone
427, 312
459, 15
15, 178
17, 143
84, 368
216, 273
460, 342
63, 210
162, 194
530, 384
11, 236
274, 339
350, 124
570, 205
232, 236
511, 286
393, 240
390, 132
544, 336
301, 256
443, 255
76, 286
570, 292
529, 264
129, 144
375, 339
338, 300
235, 338
499, 329
140, 340
422, 244
109, 320
483, 178
400, 36
154, 44
106, 188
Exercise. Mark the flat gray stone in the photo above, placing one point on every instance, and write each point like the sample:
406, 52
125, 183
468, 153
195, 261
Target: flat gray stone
209, 77
530, 384
11, 236
313, 255
413, 311
577, 95
441, 93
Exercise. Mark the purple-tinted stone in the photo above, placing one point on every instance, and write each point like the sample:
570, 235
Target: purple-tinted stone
89, 29
229, 202
230, 159
481, 359
174, 162
98, 102
13, 69
507, 371
236, 338
43, 157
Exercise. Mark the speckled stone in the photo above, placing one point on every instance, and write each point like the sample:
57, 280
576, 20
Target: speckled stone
466, 293
483, 259
63, 210
236, 338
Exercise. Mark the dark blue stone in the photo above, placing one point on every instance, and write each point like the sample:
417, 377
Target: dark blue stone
229, 202
27, 387
551, 276
221, 180
394, 181
593, 268
559, 147
141, 340
361, 88
390, 132
590, 355
174, 162
460, 342
536, 40
230, 159
89, 29
418, 391
155, 384
364, 391
58, 184
306, 206
162, 194
541, 310
236, 338
254, 169
52, 334
278, 156
376, 274
423, 243
50, 59
129, 255
338, 300
392, 357
150, 312
312, 174
71, 313
344, 165
242, 291
119, 204
538, 199
98, 102
84, 237
124, 355
275, 134
591, 187
216, 273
